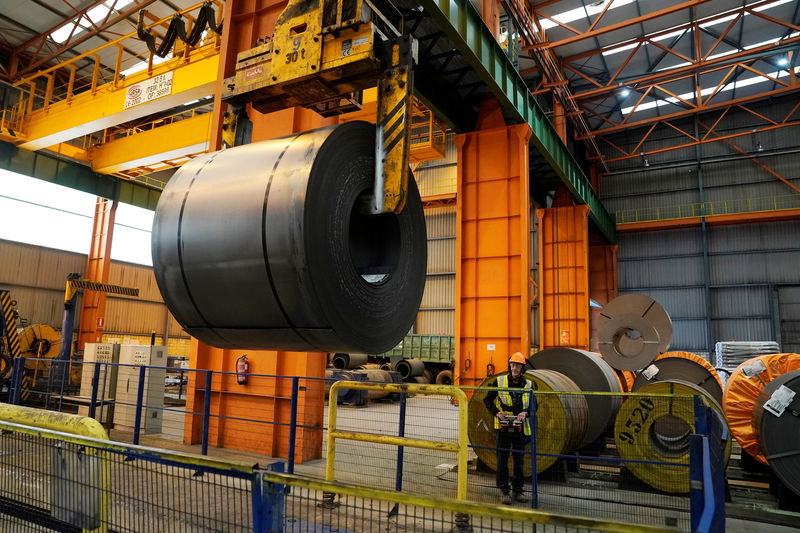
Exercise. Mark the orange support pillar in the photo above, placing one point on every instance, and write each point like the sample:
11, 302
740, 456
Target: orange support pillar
264, 401
492, 251
263, 398
98, 266
564, 277
603, 284
490, 13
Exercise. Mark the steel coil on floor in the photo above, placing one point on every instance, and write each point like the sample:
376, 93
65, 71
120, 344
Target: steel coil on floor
410, 368
652, 430
561, 420
633, 330
776, 420
684, 366
742, 389
591, 374
266, 246
349, 361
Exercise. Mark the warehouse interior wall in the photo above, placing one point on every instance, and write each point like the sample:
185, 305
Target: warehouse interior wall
717, 282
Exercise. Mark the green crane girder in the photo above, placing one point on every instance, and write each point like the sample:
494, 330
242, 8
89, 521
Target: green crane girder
464, 27
76, 176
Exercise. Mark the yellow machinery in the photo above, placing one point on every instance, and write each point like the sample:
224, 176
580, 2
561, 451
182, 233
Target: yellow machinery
322, 56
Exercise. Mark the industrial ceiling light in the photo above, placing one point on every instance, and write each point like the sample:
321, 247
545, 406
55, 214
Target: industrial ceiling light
782, 62
759, 148
625, 92
645, 162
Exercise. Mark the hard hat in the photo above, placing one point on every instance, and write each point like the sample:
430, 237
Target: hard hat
517, 357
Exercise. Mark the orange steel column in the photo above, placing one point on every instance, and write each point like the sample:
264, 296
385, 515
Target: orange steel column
490, 13
603, 284
564, 277
492, 251
255, 417
98, 266
266, 399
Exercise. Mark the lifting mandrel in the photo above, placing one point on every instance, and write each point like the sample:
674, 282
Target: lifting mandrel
322, 56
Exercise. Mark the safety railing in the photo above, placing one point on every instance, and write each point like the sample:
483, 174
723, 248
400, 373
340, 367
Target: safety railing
46, 87
709, 209
151, 490
401, 440
633, 465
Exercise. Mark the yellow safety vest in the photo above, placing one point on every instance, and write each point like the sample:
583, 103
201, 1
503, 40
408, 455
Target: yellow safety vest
504, 402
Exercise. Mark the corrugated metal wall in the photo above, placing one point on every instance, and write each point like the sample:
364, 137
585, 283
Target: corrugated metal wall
37, 277
741, 282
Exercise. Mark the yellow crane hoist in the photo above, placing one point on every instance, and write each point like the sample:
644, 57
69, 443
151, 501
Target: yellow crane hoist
322, 56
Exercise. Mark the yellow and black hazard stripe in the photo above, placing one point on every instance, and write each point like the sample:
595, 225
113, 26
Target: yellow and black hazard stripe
10, 321
102, 287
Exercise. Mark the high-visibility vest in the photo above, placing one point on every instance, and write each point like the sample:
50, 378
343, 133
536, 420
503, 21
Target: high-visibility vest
504, 402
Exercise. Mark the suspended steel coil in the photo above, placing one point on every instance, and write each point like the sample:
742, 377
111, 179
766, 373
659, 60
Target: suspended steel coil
561, 420
40, 341
656, 429
742, 389
265, 246
591, 374
776, 419
683, 366
634, 329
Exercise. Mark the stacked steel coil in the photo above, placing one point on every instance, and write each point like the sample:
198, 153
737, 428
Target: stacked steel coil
729, 355
764, 415
561, 419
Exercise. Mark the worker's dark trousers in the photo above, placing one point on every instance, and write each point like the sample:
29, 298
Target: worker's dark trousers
507, 441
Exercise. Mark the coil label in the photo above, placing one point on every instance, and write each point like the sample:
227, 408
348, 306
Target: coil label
638, 417
779, 400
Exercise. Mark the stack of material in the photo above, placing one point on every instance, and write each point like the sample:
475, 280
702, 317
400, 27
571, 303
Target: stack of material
729, 355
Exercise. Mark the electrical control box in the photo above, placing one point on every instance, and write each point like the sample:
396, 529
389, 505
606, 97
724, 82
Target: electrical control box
107, 378
131, 358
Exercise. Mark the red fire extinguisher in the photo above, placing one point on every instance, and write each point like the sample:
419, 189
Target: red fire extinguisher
242, 369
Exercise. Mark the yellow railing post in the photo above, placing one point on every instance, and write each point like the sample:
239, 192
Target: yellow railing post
461, 448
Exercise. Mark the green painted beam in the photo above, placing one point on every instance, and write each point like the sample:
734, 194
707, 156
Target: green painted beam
50, 168
463, 25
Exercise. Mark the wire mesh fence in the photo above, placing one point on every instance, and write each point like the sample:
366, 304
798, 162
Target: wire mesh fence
51, 481
620, 457
59, 485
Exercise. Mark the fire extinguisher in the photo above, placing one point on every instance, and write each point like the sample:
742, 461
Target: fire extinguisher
242, 369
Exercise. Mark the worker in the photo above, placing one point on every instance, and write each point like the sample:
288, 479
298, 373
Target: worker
512, 427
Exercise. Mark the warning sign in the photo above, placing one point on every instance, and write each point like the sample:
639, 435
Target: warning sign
101, 322
148, 90
564, 336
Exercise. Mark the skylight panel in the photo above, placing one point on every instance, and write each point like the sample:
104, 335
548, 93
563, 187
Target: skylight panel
578, 13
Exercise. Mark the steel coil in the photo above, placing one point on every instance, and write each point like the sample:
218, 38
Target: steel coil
683, 366
591, 374
265, 246
445, 377
634, 329
349, 361
776, 419
651, 431
743, 387
39, 341
376, 376
410, 368
561, 420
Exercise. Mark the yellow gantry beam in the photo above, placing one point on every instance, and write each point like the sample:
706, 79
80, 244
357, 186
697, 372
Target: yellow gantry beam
162, 143
187, 78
